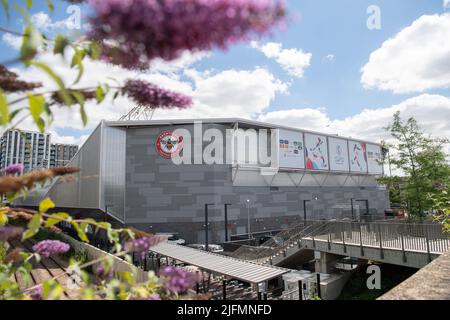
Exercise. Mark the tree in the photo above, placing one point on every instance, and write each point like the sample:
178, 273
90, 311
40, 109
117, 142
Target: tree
422, 165
130, 34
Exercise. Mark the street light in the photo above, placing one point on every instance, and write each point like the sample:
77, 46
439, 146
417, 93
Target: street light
351, 206
226, 220
206, 225
248, 218
304, 210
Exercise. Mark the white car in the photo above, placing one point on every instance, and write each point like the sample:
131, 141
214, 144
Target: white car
172, 238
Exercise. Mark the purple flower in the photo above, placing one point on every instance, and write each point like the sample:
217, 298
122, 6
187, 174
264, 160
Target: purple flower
154, 296
14, 168
47, 248
102, 274
138, 31
150, 95
142, 245
177, 280
9, 232
36, 293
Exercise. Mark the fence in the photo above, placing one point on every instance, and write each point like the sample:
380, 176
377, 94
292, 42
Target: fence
419, 237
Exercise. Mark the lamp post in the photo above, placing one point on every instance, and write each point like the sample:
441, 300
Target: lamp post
206, 225
352, 208
226, 220
304, 210
248, 218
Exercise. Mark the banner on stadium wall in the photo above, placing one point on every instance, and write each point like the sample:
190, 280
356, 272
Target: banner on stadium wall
358, 156
338, 154
373, 157
291, 150
316, 152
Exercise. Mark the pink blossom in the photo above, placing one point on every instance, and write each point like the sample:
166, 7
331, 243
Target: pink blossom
150, 95
14, 168
138, 31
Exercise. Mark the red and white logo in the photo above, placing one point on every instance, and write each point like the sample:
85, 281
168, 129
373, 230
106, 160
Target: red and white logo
169, 144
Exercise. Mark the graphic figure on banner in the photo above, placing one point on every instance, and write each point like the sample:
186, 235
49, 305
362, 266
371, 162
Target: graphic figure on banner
315, 159
359, 151
339, 158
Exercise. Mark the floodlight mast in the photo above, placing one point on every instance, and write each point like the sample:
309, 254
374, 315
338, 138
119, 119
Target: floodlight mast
139, 113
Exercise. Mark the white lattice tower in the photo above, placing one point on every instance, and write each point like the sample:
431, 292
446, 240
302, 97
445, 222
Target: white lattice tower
138, 113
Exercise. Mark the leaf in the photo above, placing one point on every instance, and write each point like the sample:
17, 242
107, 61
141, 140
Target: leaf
4, 109
81, 233
61, 42
3, 218
6, 8
63, 93
56, 218
80, 99
50, 6
37, 106
31, 40
46, 204
99, 94
33, 227
29, 4
77, 60
94, 51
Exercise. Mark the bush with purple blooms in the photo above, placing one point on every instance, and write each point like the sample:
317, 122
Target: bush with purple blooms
14, 168
9, 232
48, 248
177, 280
142, 245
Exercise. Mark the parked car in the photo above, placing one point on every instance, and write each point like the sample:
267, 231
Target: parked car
172, 238
211, 247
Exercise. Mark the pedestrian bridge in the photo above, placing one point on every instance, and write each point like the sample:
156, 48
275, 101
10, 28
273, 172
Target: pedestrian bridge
394, 242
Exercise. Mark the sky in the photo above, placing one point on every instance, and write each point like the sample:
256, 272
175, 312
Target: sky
340, 66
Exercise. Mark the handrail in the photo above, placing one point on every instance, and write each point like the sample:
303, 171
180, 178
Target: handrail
426, 237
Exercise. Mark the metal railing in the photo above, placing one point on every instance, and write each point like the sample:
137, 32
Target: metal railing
423, 237
278, 243
419, 237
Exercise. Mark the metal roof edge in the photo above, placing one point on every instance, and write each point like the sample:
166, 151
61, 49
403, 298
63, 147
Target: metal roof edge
260, 124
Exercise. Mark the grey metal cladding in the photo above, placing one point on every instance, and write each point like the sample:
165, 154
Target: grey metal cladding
113, 171
84, 191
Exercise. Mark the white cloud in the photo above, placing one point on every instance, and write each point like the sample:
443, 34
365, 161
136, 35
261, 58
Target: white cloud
44, 22
293, 61
13, 41
329, 57
239, 93
429, 110
446, 4
414, 60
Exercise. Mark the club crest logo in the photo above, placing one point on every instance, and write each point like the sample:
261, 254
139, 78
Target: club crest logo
169, 144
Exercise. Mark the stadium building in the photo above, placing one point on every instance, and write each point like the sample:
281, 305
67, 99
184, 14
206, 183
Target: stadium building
173, 176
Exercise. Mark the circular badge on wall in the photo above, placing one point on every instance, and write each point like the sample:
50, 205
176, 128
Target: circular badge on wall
169, 144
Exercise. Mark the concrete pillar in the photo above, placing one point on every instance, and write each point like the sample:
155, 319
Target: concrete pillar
325, 261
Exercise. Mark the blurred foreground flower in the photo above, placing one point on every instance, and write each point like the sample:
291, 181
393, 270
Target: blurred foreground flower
142, 245
177, 280
48, 248
14, 168
9, 232
36, 293
150, 95
9, 81
103, 274
137, 31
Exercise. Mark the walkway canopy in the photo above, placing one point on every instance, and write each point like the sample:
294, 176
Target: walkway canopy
237, 269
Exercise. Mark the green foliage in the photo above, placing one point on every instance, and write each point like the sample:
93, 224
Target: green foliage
4, 109
422, 163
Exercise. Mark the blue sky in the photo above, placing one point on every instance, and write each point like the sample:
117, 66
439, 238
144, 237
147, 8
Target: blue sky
329, 87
